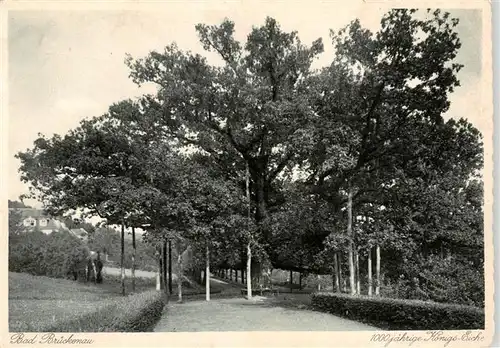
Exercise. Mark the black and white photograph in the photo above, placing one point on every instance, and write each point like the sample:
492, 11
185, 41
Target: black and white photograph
257, 167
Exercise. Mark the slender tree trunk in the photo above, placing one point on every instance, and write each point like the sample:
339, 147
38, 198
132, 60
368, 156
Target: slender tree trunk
358, 280
291, 281
249, 249
336, 272
122, 259
349, 233
158, 276
377, 287
249, 271
160, 268
300, 280
342, 279
164, 268
319, 282
207, 274
161, 280
370, 279
170, 267
180, 272
134, 250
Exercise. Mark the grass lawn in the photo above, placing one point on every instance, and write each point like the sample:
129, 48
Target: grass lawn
36, 302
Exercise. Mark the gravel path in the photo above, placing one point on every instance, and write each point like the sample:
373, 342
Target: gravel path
138, 273
239, 314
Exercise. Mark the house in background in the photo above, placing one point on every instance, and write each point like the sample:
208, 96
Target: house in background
35, 219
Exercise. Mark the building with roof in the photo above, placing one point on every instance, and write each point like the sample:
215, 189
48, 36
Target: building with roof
35, 219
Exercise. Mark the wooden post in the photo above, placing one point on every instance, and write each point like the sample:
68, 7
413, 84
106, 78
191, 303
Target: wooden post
370, 280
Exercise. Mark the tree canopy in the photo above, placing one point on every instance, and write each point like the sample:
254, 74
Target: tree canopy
371, 123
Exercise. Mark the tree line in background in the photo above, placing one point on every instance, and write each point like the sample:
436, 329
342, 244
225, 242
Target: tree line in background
262, 162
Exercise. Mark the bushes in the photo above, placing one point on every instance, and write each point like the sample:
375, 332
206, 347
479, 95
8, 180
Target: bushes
445, 280
52, 255
396, 314
134, 313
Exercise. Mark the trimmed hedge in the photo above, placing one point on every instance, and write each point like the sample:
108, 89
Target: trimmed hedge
397, 314
134, 313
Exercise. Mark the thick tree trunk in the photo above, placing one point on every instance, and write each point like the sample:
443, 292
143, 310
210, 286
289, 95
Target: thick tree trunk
351, 246
170, 267
207, 274
134, 250
260, 269
122, 259
377, 287
370, 279
336, 271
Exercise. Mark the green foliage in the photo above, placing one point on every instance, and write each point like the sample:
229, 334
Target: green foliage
394, 314
15, 223
372, 120
53, 255
135, 313
17, 204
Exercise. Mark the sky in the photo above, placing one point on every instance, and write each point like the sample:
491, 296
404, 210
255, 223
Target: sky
67, 66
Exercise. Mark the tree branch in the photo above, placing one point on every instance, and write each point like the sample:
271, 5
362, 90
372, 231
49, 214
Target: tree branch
282, 164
